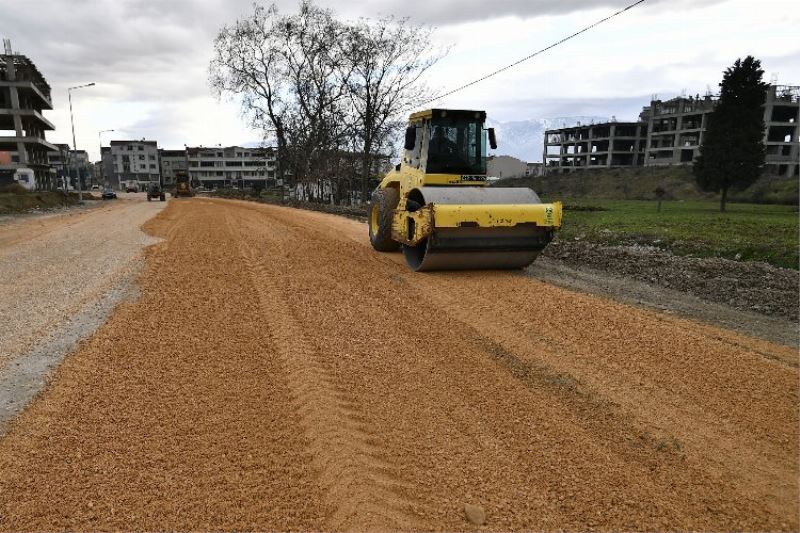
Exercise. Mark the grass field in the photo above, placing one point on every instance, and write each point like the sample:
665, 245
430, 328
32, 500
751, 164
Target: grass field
747, 232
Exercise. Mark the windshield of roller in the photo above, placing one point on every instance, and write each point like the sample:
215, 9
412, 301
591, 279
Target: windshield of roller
456, 146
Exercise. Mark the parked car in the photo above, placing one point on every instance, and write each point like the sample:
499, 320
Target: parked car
109, 194
131, 187
95, 187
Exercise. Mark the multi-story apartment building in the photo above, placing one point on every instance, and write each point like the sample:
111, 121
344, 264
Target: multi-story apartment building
671, 132
74, 163
24, 95
133, 163
608, 144
233, 166
110, 178
171, 162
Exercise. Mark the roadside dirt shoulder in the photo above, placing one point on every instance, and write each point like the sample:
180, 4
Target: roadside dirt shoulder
64, 274
749, 286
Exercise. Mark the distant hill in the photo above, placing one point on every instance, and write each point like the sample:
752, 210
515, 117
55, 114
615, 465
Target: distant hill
524, 139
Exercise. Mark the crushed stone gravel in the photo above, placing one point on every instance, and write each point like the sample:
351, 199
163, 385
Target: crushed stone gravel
277, 373
55, 266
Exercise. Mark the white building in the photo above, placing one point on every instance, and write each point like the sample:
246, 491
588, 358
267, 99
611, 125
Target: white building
505, 166
135, 162
233, 166
172, 161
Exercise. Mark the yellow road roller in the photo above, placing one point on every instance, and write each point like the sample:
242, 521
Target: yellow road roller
437, 207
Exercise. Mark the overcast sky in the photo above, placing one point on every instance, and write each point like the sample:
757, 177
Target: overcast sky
149, 58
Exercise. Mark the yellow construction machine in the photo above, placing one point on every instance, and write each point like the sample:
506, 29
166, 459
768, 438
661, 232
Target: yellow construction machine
435, 204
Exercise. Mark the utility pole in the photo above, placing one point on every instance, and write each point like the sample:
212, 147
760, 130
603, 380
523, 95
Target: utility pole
72, 121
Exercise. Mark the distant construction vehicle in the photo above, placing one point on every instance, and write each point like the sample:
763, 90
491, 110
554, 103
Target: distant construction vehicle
435, 204
182, 185
155, 190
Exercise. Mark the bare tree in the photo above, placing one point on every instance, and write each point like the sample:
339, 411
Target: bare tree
248, 62
334, 92
319, 81
388, 58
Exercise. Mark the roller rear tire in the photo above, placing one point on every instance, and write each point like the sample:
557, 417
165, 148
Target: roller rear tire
379, 218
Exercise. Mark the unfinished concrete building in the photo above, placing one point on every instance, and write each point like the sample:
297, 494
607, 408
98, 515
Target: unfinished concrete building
24, 95
671, 132
605, 145
782, 130
675, 129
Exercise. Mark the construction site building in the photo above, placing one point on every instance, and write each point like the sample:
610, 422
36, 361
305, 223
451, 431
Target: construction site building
675, 129
233, 166
782, 130
605, 145
671, 132
24, 95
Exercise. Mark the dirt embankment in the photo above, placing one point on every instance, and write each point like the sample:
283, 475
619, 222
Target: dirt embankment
277, 373
746, 285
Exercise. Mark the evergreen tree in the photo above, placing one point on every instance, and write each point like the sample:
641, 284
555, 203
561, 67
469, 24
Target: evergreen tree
732, 153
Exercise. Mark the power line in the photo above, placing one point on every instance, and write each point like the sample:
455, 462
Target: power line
565, 39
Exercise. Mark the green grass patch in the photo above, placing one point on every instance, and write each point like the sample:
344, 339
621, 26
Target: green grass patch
746, 232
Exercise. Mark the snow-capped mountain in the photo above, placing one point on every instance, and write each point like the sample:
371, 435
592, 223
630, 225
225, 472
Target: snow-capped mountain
524, 139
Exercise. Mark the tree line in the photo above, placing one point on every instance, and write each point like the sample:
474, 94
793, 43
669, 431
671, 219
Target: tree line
333, 93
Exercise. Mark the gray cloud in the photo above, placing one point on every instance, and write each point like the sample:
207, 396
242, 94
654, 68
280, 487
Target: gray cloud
153, 55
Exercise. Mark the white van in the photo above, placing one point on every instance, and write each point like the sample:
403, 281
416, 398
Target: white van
26, 178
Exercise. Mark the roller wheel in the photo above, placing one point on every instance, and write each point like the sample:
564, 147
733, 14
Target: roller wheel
379, 215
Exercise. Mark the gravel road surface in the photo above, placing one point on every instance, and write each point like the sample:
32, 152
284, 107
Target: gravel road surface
55, 265
276, 373
63, 274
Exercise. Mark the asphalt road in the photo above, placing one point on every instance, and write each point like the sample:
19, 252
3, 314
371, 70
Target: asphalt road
277, 373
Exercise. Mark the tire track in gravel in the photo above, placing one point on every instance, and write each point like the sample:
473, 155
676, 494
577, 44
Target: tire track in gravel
363, 488
722, 402
716, 416
316, 385
663, 487
173, 416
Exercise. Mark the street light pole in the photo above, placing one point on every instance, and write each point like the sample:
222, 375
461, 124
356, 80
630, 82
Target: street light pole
102, 165
74, 144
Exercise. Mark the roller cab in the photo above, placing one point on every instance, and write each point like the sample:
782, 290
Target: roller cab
435, 205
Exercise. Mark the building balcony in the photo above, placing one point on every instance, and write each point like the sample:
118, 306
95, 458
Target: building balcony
10, 141
779, 158
31, 88
7, 114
